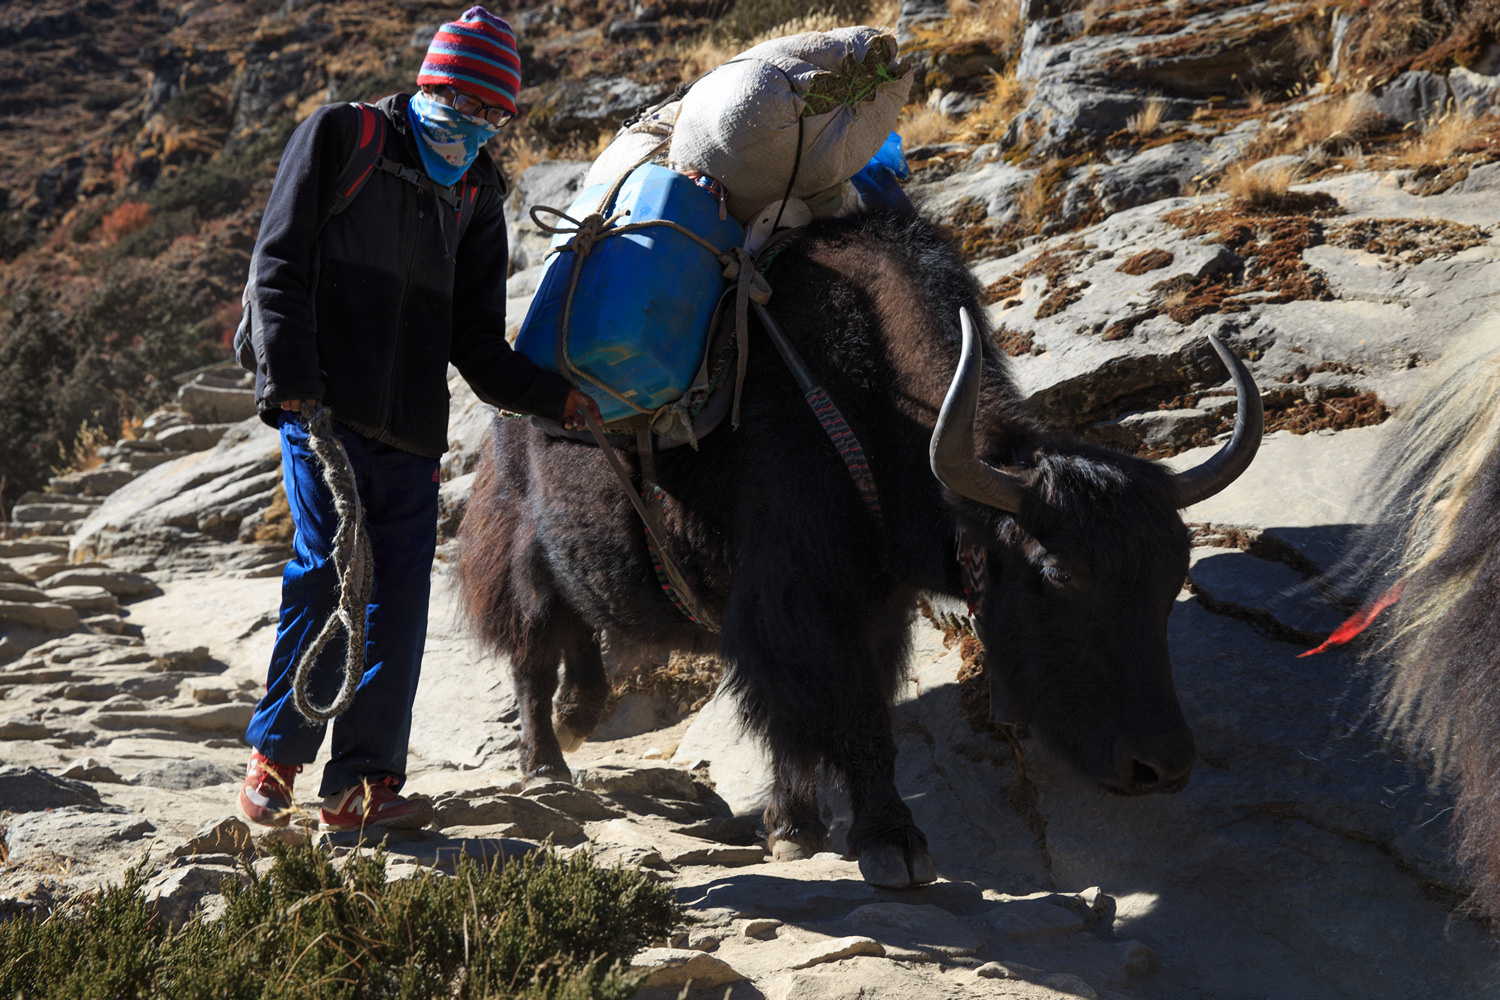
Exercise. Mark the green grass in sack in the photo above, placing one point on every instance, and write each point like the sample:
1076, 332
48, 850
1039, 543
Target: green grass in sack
856, 80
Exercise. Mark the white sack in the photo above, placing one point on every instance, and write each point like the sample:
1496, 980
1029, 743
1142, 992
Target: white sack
739, 123
631, 145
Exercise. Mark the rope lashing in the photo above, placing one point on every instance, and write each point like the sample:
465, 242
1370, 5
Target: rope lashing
353, 563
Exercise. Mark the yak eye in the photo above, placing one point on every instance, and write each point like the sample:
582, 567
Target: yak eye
1056, 575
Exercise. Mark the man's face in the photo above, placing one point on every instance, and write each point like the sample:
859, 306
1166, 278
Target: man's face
466, 103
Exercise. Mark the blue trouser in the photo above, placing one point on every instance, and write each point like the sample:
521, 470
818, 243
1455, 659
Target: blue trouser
400, 494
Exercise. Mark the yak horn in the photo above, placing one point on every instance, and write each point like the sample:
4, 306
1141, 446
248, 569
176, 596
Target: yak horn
952, 450
1224, 466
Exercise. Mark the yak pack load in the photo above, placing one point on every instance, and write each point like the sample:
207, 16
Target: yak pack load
637, 280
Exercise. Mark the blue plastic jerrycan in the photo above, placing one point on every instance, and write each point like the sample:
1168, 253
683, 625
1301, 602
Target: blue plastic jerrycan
645, 299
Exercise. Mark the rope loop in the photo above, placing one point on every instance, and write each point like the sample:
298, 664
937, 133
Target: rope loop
352, 562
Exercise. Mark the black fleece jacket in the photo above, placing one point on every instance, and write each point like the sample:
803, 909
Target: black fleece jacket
366, 315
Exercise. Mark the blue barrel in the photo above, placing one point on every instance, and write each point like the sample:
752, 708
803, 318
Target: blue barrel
645, 299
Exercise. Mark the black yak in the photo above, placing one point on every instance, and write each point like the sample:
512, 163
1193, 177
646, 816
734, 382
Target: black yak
1431, 556
1085, 549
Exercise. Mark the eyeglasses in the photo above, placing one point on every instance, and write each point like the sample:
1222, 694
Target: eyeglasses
464, 104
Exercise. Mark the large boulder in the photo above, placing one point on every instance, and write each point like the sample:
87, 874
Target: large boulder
198, 498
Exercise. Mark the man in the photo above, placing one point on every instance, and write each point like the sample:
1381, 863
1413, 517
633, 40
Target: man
361, 311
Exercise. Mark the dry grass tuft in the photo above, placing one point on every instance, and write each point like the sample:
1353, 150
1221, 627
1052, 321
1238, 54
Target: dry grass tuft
1146, 122
1255, 187
1008, 97
994, 21
921, 125
1335, 123
1442, 135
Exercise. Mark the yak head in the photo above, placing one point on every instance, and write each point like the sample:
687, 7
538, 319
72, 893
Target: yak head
1087, 554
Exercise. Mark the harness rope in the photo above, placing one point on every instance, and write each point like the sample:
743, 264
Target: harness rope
353, 563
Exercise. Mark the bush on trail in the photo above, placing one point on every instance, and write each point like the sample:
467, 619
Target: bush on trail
532, 928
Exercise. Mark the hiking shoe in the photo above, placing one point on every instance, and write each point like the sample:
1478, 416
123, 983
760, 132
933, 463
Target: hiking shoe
266, 795
373, 803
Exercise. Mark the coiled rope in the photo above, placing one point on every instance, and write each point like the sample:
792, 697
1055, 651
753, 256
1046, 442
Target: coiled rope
352, 561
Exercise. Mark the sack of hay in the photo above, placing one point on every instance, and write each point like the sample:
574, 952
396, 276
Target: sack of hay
739, 124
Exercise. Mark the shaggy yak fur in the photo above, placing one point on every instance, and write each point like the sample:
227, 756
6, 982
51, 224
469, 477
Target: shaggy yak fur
815, 597
1436, 531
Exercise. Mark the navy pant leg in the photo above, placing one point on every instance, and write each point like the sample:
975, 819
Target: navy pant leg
401, 511
399, 492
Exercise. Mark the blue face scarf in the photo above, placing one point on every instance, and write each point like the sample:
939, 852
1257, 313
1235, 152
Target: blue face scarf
450, 142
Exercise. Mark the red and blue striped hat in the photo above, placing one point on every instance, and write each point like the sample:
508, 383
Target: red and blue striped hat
477, 55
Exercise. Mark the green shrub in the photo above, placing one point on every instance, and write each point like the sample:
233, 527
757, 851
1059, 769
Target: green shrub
108, 359
533, 928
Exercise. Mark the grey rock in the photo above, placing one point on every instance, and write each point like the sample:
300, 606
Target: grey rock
582, 805
1029, 918
22, 592
89, 769
40, 615
919, 13
21, 548
1412, 98
1231, 580
186, 775
33, 512
85, 599
635, 713
116, 582
225, 835
919, 931
552, 184
835, 950
590, 106
173, 507
193, 437
140, 461
231, 718
674, 967
738, 765
30, 789
524, 818
101, 481
654, 782
178, 893
73, 832
1478, 92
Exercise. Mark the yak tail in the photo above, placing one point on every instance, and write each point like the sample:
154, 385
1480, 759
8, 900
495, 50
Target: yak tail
1436, 529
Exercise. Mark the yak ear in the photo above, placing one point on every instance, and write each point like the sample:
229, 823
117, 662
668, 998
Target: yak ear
951, 452
1229, 462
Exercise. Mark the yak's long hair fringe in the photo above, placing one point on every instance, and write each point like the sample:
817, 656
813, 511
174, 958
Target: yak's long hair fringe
1436, 529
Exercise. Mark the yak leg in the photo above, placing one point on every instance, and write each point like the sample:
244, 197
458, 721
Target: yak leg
794, 828
814, 681
534, 671
580, 704
891, 848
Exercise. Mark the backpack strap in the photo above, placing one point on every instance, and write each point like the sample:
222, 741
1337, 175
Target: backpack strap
364, 160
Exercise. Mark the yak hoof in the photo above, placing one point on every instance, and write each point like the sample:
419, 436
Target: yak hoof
887, 866
545, 773
884, 865
790, 850
566, 737
920, 866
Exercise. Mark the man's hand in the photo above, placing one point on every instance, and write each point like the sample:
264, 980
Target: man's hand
296, 405
572, 415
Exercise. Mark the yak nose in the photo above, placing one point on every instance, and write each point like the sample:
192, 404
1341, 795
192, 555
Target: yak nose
1162, 763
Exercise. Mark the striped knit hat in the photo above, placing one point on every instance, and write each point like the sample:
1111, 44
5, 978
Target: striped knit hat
477, 55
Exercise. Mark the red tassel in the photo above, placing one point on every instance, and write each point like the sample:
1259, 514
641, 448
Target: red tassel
1361, 621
